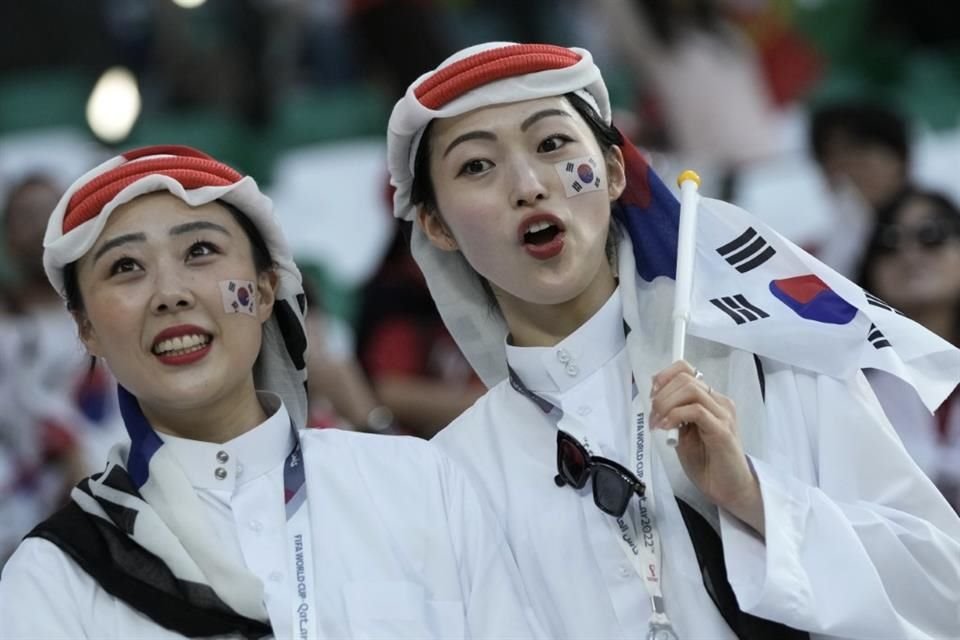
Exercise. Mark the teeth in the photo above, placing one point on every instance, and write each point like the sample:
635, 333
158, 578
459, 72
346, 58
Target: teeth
538, 226
181, 343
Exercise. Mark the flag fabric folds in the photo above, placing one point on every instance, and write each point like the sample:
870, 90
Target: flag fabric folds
755, 290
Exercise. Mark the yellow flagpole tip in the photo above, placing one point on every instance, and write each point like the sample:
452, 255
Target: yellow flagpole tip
688, 175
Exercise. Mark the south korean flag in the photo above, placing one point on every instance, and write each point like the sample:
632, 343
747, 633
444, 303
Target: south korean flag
579, 175
754, 289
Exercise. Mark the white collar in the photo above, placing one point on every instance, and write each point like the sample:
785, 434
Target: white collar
559, 368
208, 465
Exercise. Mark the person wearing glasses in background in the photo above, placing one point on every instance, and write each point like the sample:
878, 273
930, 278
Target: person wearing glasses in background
223, 516
771, 519
912, 261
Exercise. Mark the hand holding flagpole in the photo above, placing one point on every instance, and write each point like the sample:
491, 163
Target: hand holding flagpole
689, 183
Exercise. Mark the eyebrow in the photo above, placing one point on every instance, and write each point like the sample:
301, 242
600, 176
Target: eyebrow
540, 115
119, 240
180, 229
486, 135
197, 225
470, 135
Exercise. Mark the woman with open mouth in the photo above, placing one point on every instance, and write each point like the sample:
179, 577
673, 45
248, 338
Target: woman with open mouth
788, 508
222, 516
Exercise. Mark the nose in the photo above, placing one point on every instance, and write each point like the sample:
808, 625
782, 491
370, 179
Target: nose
529, 186
172, 294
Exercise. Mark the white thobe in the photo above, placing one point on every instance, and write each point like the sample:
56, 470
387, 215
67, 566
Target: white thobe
402, 547
858, 542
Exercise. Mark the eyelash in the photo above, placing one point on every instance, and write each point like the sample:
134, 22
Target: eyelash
123, 261
556, 136
563, 138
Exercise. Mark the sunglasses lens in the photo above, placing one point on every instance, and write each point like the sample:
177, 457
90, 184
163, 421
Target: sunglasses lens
611, 492
932, 236
572, 462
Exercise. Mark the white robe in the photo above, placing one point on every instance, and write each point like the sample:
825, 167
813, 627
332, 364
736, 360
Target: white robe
859, 544
402, 546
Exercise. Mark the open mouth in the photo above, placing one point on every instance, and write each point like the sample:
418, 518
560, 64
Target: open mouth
181, 345
540, 233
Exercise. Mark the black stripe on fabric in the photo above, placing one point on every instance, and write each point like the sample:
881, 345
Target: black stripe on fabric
735, 316
767, 253
294, 337
754, 247
730, 302
135, 576
118, 480
737, 242
124, 517
880, 344
876, 333
710, 558
761, 377
747, 304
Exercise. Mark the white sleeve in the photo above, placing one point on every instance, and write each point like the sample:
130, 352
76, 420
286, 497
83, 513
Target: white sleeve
38, 594
859, 543
497, 605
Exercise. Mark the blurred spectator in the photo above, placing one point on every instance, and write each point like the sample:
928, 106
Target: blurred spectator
701, 76
51, 406
397, 40
417, 369
863, 151
339, 393
912, 261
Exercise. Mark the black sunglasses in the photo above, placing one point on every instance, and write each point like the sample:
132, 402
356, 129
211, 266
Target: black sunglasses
613, 484
932, 234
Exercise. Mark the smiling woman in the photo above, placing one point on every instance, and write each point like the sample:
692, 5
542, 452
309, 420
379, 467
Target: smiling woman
222, 516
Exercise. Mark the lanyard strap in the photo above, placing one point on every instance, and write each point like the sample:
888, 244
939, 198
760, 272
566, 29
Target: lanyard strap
304, 615
646, 557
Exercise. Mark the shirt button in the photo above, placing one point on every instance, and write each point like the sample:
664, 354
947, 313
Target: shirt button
239, 469
563, 356
255, 526
572, 370
584, 410
220, 473
222, 457
276, 576
624, 571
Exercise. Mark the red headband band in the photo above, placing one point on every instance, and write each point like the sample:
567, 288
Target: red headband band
480, 69
189, 167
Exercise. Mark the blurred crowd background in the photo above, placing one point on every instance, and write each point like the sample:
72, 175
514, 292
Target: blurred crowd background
837, 121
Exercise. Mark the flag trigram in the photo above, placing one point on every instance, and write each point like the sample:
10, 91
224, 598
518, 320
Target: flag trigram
747, 251
876, 338
739, 308
877, 302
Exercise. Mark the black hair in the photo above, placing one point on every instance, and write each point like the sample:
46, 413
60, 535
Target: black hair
864, 122
261, 258
944, 208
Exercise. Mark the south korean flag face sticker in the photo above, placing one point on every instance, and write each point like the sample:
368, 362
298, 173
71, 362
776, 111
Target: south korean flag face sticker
238, 296
579, 175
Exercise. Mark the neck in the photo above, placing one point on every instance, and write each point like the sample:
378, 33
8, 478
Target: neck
940, 319
218, 423
545, 325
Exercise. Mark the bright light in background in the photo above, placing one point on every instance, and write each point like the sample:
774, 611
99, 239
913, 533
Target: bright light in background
114, 105
188, 4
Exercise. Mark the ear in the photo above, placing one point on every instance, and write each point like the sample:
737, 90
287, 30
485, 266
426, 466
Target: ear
266, 293
436, 229
616, 173
87, 334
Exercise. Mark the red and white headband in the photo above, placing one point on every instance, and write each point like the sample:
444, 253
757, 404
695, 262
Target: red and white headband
192, 176
480, 76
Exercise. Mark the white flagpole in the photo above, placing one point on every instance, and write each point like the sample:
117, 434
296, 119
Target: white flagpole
688, 182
